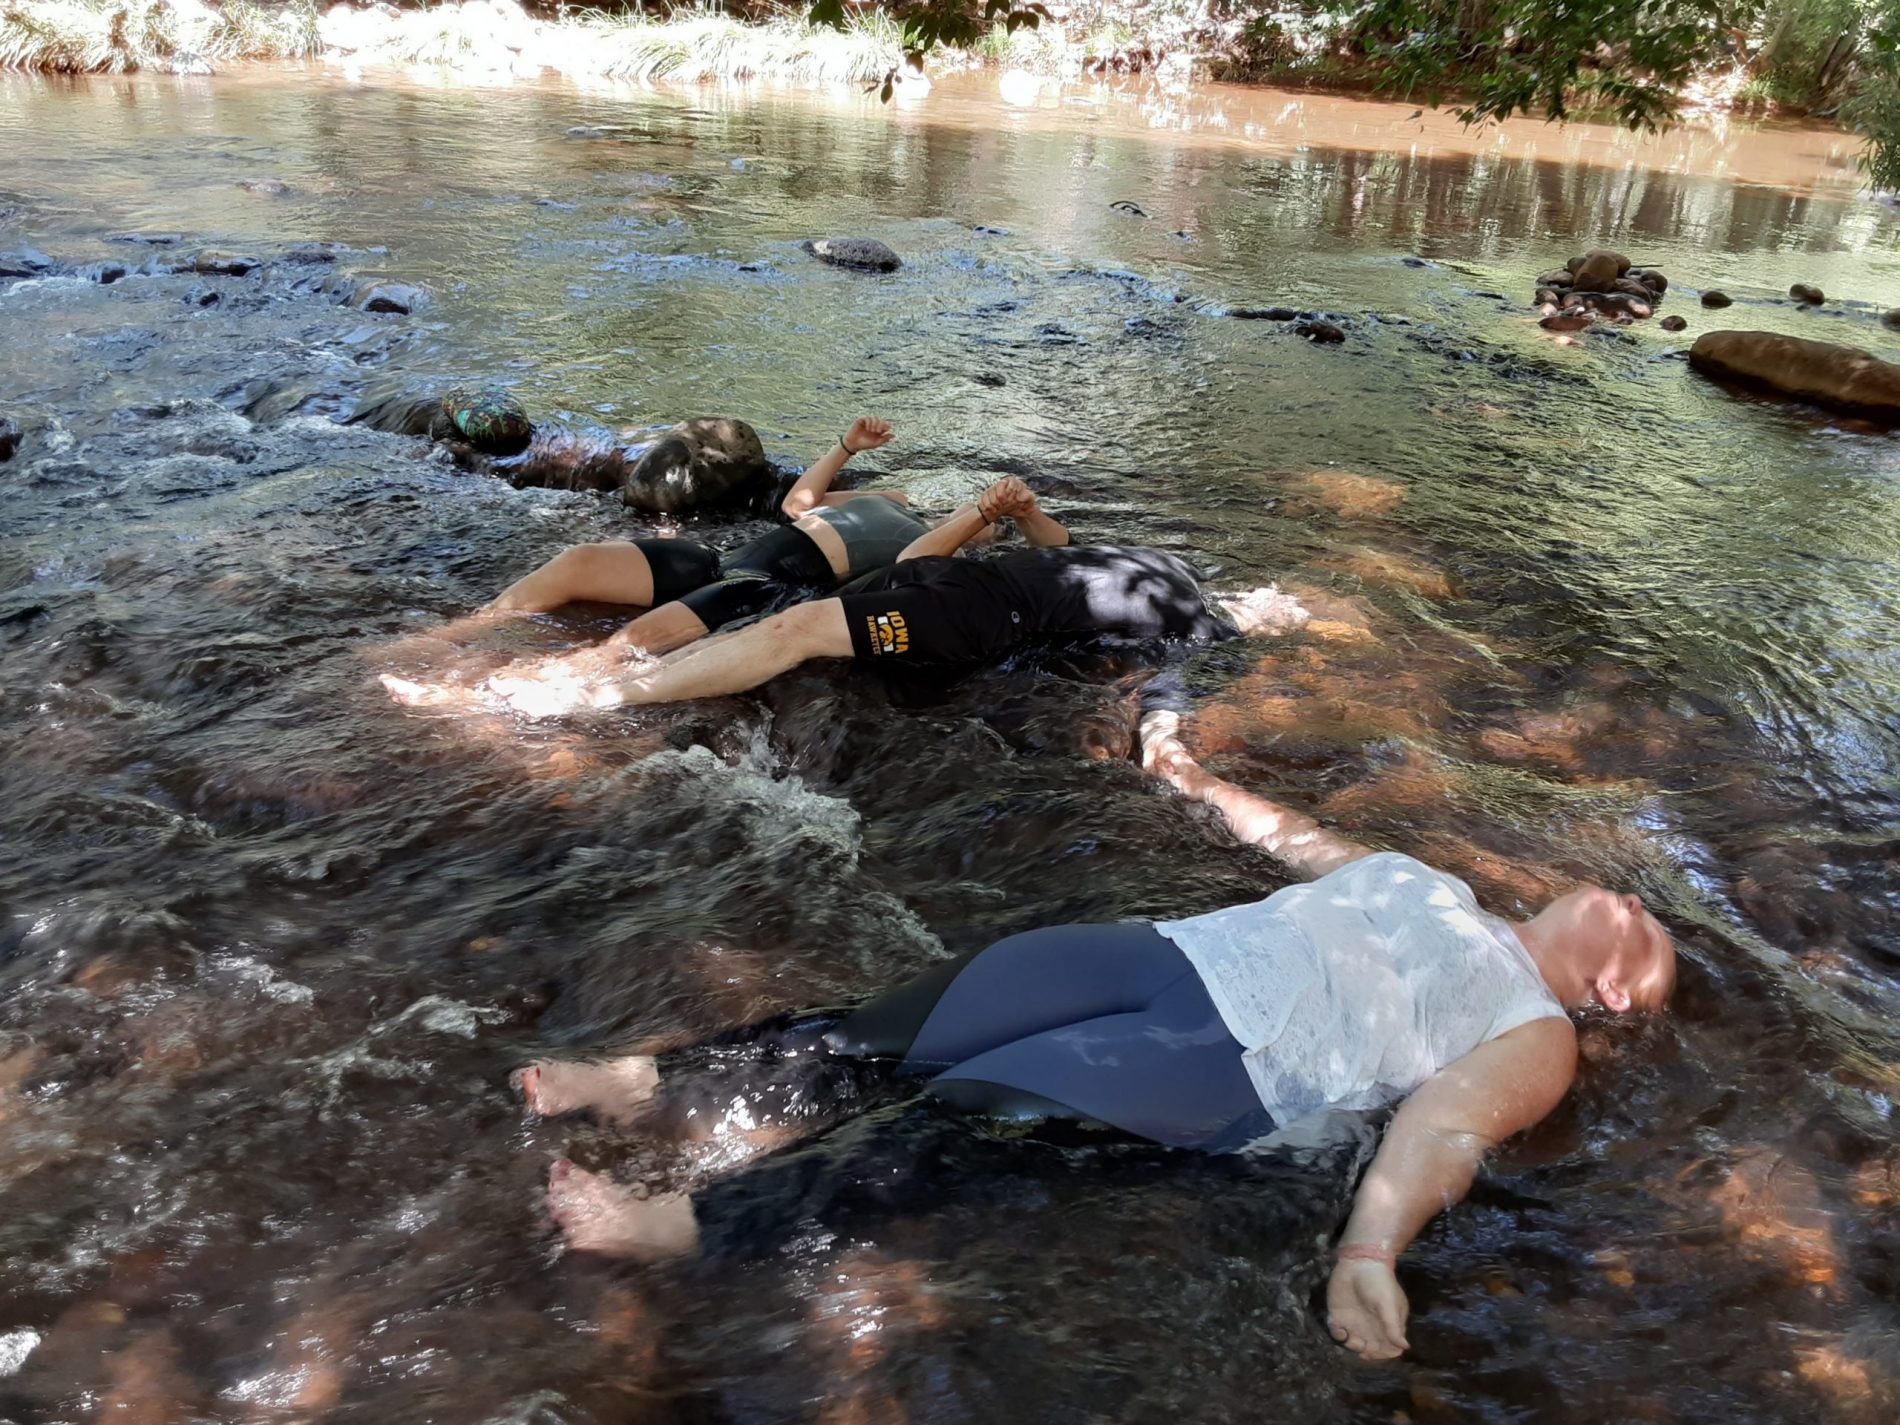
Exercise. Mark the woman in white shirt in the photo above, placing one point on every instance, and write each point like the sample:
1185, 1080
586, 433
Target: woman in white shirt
1379, 982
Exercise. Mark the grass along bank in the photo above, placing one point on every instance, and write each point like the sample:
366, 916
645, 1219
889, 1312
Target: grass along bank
481, 36
492, 37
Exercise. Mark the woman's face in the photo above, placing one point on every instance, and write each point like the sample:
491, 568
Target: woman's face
1637, 958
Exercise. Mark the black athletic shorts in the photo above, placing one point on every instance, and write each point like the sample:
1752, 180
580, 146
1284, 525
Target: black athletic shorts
934, 610
776, 569
679, 566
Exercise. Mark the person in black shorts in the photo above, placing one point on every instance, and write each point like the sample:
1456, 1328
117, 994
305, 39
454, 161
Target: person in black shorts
689, 590
925, 611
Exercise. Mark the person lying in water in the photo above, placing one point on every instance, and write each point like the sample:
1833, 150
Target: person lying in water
925, 609
1380, 983
688, 589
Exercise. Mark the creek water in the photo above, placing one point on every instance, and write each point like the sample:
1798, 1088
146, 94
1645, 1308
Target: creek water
272, 944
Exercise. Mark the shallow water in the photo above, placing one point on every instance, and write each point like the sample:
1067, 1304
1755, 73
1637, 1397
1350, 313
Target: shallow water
272, 945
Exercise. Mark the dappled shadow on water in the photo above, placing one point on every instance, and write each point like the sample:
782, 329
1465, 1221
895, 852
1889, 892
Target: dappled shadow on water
273, 944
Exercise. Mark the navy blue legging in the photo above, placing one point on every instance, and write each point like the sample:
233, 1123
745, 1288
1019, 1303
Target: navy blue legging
1105, 1022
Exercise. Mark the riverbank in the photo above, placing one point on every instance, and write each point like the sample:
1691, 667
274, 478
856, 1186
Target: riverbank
484, 39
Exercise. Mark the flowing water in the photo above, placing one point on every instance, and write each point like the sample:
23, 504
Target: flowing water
272, 945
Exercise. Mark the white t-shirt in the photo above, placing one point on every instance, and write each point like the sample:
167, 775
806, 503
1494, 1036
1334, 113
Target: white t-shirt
1351, 991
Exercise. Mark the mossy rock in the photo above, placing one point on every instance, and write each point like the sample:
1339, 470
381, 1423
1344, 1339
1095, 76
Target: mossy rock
494, 422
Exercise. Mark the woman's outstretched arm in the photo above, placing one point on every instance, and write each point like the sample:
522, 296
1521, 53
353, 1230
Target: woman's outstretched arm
1430, 1155
811, 488
1301, 843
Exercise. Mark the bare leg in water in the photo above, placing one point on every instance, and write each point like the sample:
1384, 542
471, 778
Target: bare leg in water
730, 663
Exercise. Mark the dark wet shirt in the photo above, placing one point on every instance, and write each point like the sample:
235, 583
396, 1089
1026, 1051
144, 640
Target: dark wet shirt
1108, 589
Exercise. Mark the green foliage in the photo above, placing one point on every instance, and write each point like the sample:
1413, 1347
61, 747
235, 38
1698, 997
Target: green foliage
1629, 58
927, 24
1874, 107
708, 44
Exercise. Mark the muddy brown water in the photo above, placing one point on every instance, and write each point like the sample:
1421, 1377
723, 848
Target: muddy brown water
271, 946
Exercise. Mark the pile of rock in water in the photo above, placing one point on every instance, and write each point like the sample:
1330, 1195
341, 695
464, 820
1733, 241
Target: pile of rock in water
1598, 286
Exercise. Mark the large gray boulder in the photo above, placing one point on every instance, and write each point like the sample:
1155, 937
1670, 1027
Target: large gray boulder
697, 462
1844, 378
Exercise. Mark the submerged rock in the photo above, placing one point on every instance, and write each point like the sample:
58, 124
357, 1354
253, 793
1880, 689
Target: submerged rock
862, 254
1574, 320
10, 437
104, 273
308, 254
211, 263
492, 421
1717, 299
1892, 319
1806, 295
25, 262
697, 462
1843, 377
399, 297
1618, 304
1264, 314
1674, 324
147, 239
1323, 332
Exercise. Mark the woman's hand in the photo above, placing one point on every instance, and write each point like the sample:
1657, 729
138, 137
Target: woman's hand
1163, 755
1008, 496
1366, 1309
867, 433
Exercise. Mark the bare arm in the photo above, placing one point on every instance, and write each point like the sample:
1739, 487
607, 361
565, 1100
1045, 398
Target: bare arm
813, 487
1430, 1155
949, 535
1301, 843
1039, 528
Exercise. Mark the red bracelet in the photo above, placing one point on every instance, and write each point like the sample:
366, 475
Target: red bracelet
1365, 1252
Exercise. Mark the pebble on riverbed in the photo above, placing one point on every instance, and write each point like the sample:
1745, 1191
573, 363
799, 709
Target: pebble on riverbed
860, 254
1599, 284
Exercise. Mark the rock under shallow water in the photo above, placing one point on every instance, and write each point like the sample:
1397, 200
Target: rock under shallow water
1892, 319
697, 462
1264, 314
1674, 324
1574, 320
399, 297
212, 263
1717, 299
1808, 296
10, 436
25, 262
862, 254
1323, 332
1842, 377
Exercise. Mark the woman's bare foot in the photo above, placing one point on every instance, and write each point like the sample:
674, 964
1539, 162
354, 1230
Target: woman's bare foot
597, 1214
619, 1090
